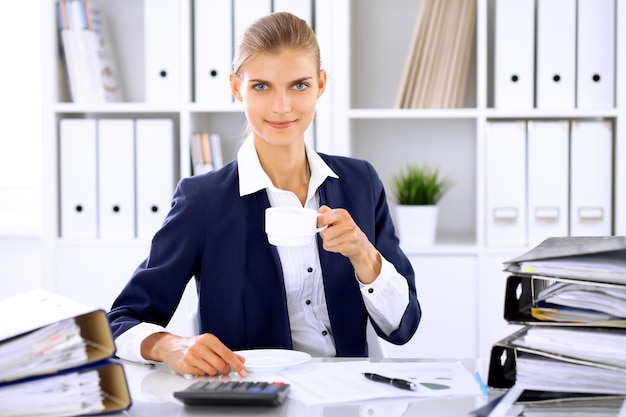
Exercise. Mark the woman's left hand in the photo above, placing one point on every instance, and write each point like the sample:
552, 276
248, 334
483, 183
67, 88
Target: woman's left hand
344, 236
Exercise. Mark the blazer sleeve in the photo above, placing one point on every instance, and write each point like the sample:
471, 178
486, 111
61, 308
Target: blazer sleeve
359, 190
156, 287
388, 244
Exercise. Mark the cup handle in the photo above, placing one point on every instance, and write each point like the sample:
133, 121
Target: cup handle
319, 229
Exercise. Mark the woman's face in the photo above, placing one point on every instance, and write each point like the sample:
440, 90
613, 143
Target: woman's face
279, 93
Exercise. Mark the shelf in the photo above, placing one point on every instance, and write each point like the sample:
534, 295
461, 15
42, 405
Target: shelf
137, 107
386, 113
114, 108
364, 50
445, 246
383, 113
551, 113
236, 107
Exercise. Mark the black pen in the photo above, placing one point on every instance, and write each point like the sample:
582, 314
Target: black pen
398, 383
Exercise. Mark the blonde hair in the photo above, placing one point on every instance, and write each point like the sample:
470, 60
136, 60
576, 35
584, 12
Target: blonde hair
274, 33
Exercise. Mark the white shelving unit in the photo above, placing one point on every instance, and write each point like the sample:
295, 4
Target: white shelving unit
364, 45
461, 273
95, 270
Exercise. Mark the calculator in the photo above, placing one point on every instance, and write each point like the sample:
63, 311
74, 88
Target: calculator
234, 393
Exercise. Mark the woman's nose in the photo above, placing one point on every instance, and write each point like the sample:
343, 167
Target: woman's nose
281, 103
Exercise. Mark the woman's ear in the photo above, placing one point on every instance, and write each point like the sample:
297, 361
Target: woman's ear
322, 83
235, 86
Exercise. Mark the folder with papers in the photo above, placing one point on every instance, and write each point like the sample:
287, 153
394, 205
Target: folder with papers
245, 13
560, 359
506, 183
556, 54
570, 295
599, 302
514, 55
116, 178
530, 402
155, 174
591, 258
591, 176
78, 162
54, 342
162, 52
213, 58
547, 301
595, 80
301, 8
548, 180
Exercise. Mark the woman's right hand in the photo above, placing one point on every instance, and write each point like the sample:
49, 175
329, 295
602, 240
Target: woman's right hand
200, 355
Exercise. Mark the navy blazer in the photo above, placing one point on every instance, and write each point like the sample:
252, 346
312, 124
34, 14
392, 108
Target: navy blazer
215, 235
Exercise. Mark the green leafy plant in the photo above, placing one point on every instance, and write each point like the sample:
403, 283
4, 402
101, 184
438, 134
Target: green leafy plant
420, 185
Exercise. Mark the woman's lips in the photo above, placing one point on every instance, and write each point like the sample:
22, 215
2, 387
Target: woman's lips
280, 125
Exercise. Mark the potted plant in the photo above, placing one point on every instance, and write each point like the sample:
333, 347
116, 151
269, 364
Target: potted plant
418, 189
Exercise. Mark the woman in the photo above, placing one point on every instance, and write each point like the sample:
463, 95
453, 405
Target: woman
314, 298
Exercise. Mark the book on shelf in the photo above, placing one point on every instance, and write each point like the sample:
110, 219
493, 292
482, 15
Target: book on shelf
206, 152
51, 344
216, 150
87, 53
437, 63
107, 68
569, 295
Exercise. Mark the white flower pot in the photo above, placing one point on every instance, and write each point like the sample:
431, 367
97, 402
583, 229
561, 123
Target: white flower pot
417, 225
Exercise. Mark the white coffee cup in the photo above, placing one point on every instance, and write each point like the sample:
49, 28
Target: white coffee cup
291, 226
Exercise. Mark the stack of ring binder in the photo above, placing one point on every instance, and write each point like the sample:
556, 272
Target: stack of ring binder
56, 358
569, 294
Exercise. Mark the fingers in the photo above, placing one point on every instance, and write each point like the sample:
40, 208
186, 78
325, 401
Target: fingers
207, 355
328, 216
344, 236
219, 356
321, 218
342, 231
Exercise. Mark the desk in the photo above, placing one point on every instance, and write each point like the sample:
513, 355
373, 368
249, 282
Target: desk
152, 387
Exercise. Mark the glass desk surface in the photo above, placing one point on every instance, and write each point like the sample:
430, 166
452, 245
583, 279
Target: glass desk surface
152, 388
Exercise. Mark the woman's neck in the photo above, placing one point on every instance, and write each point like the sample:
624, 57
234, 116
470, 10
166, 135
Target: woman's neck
287, 167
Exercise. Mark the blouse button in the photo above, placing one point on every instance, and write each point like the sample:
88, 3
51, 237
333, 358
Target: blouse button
309, 270
324, 332
371, 290
308, 302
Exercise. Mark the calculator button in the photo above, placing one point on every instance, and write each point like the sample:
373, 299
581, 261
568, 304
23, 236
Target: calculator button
234, 393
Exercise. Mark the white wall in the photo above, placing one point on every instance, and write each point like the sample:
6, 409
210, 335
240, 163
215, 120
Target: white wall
20, 265
20, 148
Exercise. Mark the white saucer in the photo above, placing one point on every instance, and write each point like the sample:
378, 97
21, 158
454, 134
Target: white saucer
272, 360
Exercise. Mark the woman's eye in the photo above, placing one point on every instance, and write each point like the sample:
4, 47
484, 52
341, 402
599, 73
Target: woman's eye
301, 86
260, 87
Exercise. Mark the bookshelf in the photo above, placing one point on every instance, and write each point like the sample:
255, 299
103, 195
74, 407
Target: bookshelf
95, 269
364, 47
367, 72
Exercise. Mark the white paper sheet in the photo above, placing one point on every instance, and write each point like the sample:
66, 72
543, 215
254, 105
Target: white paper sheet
340, 382
56, 396
56, 346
